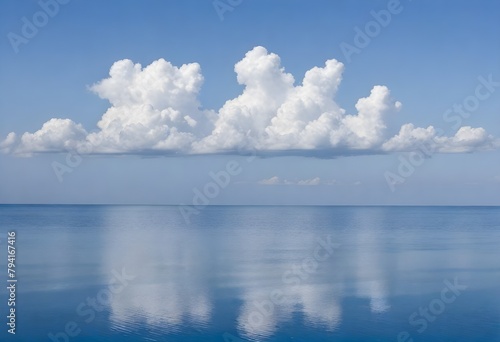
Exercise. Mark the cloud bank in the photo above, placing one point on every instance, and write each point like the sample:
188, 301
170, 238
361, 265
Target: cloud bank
155, 110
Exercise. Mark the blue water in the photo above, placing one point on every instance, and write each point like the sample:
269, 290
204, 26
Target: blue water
142, 273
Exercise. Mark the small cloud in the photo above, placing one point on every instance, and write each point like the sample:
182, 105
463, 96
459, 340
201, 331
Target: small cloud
467, 139
357, 183
270, 181
312, 181
302, 182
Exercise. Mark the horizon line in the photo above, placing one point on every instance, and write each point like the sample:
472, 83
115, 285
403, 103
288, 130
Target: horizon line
253, 205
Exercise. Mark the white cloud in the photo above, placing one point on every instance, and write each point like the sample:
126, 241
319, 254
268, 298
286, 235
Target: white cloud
8, 142
466, 139
275, 180
312, 181
270, 181
54, 136
272, 115
155, 109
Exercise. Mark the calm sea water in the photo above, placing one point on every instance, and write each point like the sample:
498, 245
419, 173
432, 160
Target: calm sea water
142, 273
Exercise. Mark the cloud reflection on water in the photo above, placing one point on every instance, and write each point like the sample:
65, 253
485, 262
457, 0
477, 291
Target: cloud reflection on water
189, 275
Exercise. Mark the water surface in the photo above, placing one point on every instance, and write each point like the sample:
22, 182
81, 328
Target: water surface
254, 273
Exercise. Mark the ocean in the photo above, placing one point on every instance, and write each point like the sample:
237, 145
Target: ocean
249, 273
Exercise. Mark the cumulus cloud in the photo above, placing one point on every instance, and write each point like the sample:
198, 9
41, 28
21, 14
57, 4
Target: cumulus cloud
55, 135
466, 139
152, 108
155, 109
274, 115
7, 144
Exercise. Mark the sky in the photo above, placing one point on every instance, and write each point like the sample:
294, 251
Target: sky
250, 102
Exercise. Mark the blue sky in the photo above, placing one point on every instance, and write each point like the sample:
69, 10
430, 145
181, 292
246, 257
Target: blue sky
431, 55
